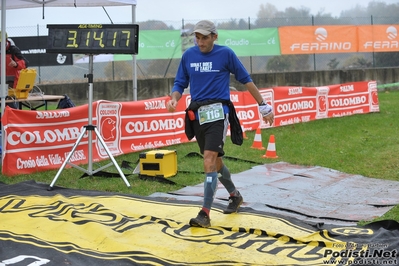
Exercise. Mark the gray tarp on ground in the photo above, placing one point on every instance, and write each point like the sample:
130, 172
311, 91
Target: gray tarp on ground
308, 193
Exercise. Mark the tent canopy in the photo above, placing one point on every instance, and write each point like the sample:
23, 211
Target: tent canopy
15, 4
19, 4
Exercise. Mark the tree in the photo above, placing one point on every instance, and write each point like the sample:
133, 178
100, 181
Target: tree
288, 63
269, 16
266, 16
333, 63
389, 59
291, 12
119, 70
154, 25
357, 61
375, 9
278, 64
357, 11
233, 24
381, 9
267, 11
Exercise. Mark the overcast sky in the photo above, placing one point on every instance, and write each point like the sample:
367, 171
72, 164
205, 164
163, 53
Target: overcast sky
172, 10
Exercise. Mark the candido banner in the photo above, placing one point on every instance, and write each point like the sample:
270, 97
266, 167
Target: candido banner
256, 42
159, 44
41, 140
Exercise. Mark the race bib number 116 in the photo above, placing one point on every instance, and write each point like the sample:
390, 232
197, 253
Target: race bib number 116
210, 113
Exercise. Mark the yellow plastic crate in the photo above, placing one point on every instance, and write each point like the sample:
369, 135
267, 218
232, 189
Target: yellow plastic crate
18, 93
161, 163
25, 84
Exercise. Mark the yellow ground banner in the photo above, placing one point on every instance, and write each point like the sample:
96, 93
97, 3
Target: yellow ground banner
94, 228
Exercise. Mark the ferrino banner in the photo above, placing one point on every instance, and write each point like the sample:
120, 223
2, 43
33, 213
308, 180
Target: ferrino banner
41, 140
318, 40
338, 39
378, 38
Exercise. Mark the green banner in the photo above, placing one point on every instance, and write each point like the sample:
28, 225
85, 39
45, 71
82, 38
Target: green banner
159, 44
387, 85
167, 44
257, 42
123, 57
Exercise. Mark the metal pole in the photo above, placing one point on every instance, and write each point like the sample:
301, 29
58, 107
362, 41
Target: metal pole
250, 58
134, 59
314, 55
372, 23
90, 113
3, 70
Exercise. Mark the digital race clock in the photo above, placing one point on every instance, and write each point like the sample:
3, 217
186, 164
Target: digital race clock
93, 38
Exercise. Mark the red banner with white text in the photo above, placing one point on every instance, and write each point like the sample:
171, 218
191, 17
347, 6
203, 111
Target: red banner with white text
41, 140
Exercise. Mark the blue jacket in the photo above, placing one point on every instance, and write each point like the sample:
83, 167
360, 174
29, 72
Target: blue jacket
208, 74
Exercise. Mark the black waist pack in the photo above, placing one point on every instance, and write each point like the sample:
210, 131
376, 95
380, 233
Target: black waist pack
236, 133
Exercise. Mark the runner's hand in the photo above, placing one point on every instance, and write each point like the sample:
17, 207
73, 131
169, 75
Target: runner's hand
269, 118
171, 105
265, 109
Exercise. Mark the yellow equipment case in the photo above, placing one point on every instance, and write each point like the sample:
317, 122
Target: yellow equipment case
25, 84
161, 163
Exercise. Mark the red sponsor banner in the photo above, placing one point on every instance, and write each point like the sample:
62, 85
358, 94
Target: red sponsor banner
318, 39
378, 38
302, 104
294, 105
41, 140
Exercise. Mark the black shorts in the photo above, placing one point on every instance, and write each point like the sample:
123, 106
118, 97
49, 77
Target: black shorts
211, 136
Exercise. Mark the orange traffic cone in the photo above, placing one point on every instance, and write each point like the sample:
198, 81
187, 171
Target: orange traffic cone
271, 149
258, 140
244, 135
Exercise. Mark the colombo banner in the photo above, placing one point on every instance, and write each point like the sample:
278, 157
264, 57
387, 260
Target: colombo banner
41, 140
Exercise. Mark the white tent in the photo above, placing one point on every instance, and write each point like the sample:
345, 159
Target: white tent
18, 4
15, 4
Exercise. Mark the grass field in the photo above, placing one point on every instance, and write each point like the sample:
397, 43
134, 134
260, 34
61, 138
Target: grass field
366, 145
